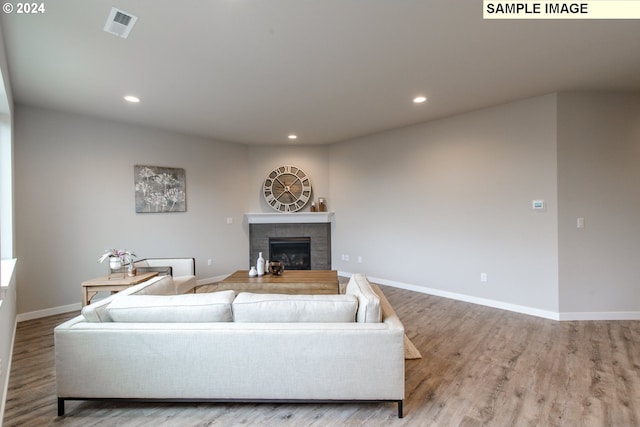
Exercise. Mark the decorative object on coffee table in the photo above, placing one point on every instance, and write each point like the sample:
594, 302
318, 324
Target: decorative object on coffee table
260, 264
276, 268
287, 189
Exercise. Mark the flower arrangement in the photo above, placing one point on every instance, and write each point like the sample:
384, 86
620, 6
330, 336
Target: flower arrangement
124, 255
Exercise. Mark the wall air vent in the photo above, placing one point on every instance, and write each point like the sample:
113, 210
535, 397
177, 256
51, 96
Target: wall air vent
120, 23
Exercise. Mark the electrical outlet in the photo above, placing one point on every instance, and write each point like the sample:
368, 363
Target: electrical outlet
209, 261
229, 220
483, 277
359, 259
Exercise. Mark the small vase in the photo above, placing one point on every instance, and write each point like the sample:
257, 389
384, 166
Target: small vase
253, 272
260, 264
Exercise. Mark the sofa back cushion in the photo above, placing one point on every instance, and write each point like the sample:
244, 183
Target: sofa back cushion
199, 307
250, 307
369, 310
97, 311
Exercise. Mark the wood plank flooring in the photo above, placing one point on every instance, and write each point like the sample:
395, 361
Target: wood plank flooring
480, 367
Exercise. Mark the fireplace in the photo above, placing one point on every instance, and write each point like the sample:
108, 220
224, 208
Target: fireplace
313, 226
293, 252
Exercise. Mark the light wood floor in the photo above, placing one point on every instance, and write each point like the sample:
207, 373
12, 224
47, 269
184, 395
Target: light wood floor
480, 367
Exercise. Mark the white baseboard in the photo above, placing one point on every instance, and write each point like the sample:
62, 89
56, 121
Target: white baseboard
600, 315
562, 316
531, 311
465, 298
552, 315
48, 312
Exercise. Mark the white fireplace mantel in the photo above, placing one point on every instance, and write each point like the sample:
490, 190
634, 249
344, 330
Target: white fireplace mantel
289, 218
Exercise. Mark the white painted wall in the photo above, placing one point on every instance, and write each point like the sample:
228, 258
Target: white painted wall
75, 198
599, 180
435, 205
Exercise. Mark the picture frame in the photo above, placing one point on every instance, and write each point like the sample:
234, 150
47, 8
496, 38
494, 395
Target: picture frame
159, 189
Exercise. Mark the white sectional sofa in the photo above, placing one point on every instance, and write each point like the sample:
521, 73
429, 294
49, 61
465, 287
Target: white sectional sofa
146, 343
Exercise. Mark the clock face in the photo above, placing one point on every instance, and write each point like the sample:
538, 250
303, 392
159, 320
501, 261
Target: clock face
287, 189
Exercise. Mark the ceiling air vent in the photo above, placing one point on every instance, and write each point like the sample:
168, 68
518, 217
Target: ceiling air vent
120, 23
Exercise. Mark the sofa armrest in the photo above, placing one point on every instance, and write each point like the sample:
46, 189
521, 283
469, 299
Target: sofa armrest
389, 315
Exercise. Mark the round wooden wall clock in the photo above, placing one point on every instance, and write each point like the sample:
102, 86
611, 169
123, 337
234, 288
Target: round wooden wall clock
287, 189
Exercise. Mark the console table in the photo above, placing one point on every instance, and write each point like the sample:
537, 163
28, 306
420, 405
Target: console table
289, 282
101, 284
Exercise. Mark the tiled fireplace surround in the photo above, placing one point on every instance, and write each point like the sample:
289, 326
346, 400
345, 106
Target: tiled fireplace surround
317, 226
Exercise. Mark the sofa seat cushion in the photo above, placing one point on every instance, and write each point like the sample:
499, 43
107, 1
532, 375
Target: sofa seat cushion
369, 310
202, 307
250, 307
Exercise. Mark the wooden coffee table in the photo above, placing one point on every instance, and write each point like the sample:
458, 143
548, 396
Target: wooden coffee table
100, 284
289, 282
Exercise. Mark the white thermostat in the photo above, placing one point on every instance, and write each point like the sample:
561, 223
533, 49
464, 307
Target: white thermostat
537, 205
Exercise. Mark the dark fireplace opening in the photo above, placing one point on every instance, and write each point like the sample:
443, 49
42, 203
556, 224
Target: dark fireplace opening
293, 252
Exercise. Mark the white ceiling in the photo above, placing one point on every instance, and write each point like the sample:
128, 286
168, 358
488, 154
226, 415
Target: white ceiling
253, 71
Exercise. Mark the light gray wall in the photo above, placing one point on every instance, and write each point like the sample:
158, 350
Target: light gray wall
75, 198
599, 180
435, 205
432, 205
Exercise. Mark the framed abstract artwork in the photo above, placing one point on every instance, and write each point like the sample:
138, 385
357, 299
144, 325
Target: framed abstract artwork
160, 189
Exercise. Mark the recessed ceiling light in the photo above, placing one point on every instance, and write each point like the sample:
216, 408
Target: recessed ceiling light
292, 137
132, 99
419, 99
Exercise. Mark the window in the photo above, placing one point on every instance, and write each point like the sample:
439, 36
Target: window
6, 175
